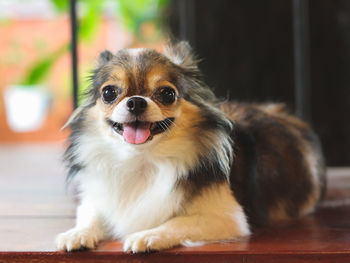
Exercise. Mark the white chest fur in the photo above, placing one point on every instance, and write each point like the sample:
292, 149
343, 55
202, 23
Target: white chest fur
132, 195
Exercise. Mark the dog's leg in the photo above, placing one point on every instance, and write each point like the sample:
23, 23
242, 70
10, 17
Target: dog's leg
212, 216
86, 233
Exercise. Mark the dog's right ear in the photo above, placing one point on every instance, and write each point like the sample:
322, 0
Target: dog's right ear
104, 57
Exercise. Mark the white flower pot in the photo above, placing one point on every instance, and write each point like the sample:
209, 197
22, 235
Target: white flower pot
26, 107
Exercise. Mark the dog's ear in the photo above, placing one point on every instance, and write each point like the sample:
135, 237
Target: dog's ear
77, 113
104, 57
181, 54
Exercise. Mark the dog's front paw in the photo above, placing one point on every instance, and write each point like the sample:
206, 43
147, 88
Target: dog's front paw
149, 240
77, 238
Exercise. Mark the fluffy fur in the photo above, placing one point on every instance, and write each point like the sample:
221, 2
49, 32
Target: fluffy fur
210, 172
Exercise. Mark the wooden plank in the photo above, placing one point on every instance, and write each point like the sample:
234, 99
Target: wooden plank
27, 233
32, 181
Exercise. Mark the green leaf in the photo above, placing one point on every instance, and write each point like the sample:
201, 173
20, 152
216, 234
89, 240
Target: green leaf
61, 5
134, 13
90, 21
41, 68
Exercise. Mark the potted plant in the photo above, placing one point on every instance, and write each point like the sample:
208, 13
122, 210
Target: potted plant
27, 102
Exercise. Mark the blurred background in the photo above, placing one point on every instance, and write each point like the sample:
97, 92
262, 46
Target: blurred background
247, 47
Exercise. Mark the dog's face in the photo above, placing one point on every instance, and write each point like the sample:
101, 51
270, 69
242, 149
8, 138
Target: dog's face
137, 94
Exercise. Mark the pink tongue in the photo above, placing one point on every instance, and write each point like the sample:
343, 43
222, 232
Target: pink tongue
138, 133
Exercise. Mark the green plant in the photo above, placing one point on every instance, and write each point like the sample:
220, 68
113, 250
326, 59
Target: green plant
40, 69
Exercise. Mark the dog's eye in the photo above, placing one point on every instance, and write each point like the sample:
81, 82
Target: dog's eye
109, 93
166, 95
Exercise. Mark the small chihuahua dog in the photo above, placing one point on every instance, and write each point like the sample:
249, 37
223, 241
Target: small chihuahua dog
160, 162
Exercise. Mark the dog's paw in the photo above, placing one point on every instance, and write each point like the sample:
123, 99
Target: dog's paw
75, 239
148, 240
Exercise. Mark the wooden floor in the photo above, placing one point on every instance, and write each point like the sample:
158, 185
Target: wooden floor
35, 206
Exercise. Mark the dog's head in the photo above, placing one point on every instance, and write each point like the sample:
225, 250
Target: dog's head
142, 95
138, 92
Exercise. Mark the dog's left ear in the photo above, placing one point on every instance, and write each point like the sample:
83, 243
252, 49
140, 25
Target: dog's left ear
75, 116
104, 57
181, 54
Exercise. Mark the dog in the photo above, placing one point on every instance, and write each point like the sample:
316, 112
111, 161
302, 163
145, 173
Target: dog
160, 162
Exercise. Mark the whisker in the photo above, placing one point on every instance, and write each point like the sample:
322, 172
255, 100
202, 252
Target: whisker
162, 126
165, 124
171, 122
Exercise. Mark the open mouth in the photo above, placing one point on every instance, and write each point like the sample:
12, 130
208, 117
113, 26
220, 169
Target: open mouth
139, 132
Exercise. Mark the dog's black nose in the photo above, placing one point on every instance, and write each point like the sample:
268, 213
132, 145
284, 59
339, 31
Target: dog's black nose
136, 105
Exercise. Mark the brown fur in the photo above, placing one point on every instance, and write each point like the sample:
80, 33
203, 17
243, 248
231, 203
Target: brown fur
271, 175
